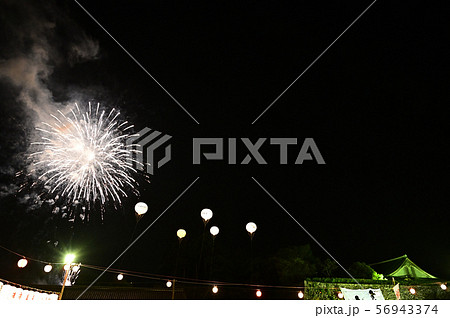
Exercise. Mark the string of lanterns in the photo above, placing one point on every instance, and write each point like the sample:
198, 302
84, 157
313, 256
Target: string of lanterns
141, 208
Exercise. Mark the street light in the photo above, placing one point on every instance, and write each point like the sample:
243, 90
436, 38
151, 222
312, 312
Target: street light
48, 268
214, 230
22, 263
206, 215
69, 259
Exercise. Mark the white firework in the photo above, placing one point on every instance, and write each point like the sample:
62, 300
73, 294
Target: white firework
83, 156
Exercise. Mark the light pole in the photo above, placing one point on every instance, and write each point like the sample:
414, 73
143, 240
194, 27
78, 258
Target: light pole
68, 261
181, 233
206, 215
251, 229
214, 230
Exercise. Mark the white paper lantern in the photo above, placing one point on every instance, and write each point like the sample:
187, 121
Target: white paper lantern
119, 277
48, 268
214, 230
141, 208
181, 233
22, 263
215, 289
206, 214
169, 284
251, 227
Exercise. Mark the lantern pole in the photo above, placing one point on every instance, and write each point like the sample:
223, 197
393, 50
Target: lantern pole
64, 282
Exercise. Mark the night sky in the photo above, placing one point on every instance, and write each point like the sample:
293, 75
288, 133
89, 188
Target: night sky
375, 103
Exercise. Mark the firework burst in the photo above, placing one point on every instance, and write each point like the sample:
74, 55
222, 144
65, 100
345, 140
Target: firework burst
83, 156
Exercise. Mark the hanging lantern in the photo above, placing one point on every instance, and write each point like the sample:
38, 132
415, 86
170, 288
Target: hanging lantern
169, 284
412, 291
340, 295
258, 293
300, 295
443, 287
119, 277
215, 289
22, 263
48, 268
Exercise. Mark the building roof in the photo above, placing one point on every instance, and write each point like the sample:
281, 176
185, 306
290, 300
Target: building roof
401, 267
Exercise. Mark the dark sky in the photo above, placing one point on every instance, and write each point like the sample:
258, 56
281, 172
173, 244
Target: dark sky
375, 103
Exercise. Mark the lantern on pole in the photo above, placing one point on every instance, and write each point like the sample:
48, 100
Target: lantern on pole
206, 215
181, 234
140, 208
251, 228
214, 230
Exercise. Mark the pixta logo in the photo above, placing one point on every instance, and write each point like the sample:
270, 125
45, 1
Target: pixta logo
146, 142
306, 152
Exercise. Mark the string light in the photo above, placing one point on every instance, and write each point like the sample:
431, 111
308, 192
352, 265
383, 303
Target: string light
215, 289
300, 295
48, 268
66, 267
258, 293
340, 295
22, 263
412, 291
443, 287
169, 284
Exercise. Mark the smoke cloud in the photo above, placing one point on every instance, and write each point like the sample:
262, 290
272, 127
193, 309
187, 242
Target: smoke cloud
41, 39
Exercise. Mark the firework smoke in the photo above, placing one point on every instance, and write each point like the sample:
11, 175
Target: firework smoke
83, 156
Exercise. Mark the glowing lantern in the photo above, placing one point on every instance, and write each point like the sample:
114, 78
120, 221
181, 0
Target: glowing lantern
443, 287
215, 289
251, 227
181, 234
22, 263
340, 295
141, 208
48, 268
76, 268
412, 291
206, 215
300, 295
66, 267
119, 277
214, 230
258, 293
169, 284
